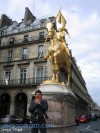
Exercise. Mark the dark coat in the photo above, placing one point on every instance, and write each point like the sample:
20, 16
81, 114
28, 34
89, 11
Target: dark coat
37, 110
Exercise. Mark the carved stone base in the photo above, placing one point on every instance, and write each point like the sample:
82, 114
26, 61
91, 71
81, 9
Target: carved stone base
61, 102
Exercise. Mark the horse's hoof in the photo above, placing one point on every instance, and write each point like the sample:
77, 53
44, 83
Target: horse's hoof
53, 79
57, 80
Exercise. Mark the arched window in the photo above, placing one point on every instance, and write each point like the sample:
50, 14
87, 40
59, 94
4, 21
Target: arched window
4, 104
20, 104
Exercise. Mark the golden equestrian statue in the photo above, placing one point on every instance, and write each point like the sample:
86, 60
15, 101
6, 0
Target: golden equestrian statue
58, 52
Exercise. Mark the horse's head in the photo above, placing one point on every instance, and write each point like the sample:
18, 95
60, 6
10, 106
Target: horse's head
50, 29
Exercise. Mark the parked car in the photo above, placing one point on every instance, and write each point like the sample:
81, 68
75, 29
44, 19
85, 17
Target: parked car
27, 119
93, 117
22, 120
18, 120
83, 118
98, 116
7, 119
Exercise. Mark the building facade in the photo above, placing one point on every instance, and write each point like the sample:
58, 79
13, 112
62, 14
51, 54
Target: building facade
22, 67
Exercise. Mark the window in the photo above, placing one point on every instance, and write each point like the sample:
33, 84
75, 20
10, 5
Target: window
11, 41
26, 38
5, 32
39, 77
24, 53
27, 27
7, 76
40, 51
41, 24
41, 35
2, 33
45, 72
9, 57
23, 76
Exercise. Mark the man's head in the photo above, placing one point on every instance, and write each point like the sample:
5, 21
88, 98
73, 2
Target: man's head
38, 94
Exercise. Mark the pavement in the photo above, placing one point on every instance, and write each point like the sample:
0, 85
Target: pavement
72, 129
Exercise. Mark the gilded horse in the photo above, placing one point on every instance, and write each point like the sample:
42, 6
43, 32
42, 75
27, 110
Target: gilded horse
58, 53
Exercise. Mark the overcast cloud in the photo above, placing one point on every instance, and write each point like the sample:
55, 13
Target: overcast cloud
83, 23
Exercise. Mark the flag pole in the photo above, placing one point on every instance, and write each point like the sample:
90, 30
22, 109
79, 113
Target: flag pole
57, 15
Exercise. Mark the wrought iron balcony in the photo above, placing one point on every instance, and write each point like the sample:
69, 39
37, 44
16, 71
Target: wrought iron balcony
24, 57
21, 41
27, 81
9, 59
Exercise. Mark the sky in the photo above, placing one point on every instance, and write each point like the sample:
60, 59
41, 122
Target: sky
83, 24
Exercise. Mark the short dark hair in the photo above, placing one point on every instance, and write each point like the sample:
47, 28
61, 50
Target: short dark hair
38, 91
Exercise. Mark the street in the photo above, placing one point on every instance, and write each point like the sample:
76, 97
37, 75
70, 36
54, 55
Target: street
14, 129
91, 127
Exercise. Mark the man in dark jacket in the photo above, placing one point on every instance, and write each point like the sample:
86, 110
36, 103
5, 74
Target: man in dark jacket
37, 108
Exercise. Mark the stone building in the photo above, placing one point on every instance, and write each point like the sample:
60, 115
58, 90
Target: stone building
22, 67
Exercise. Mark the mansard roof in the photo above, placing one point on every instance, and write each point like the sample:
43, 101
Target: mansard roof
28, 16
29, 20
5, 21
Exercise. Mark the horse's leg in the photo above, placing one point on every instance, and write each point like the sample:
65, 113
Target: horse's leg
53, 73
47, 56
48, 53
56, 63
57, 71
57, 75
56, 55
53, 67
68, 68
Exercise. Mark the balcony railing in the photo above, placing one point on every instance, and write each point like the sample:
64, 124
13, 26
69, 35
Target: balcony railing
24, 57
9, 59
27, 81
20, 41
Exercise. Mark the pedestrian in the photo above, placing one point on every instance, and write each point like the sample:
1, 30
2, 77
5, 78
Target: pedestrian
45, 114
38, 108
77, 119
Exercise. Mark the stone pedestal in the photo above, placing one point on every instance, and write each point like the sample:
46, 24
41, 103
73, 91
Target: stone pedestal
61, 102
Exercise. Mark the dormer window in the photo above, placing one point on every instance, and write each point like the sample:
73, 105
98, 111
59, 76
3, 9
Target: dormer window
40, 51
26, 38
41, 35
11, 41
41, 25
2, 33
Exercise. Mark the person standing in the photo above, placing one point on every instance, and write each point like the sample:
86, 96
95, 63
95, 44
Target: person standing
38, 108
77, 119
